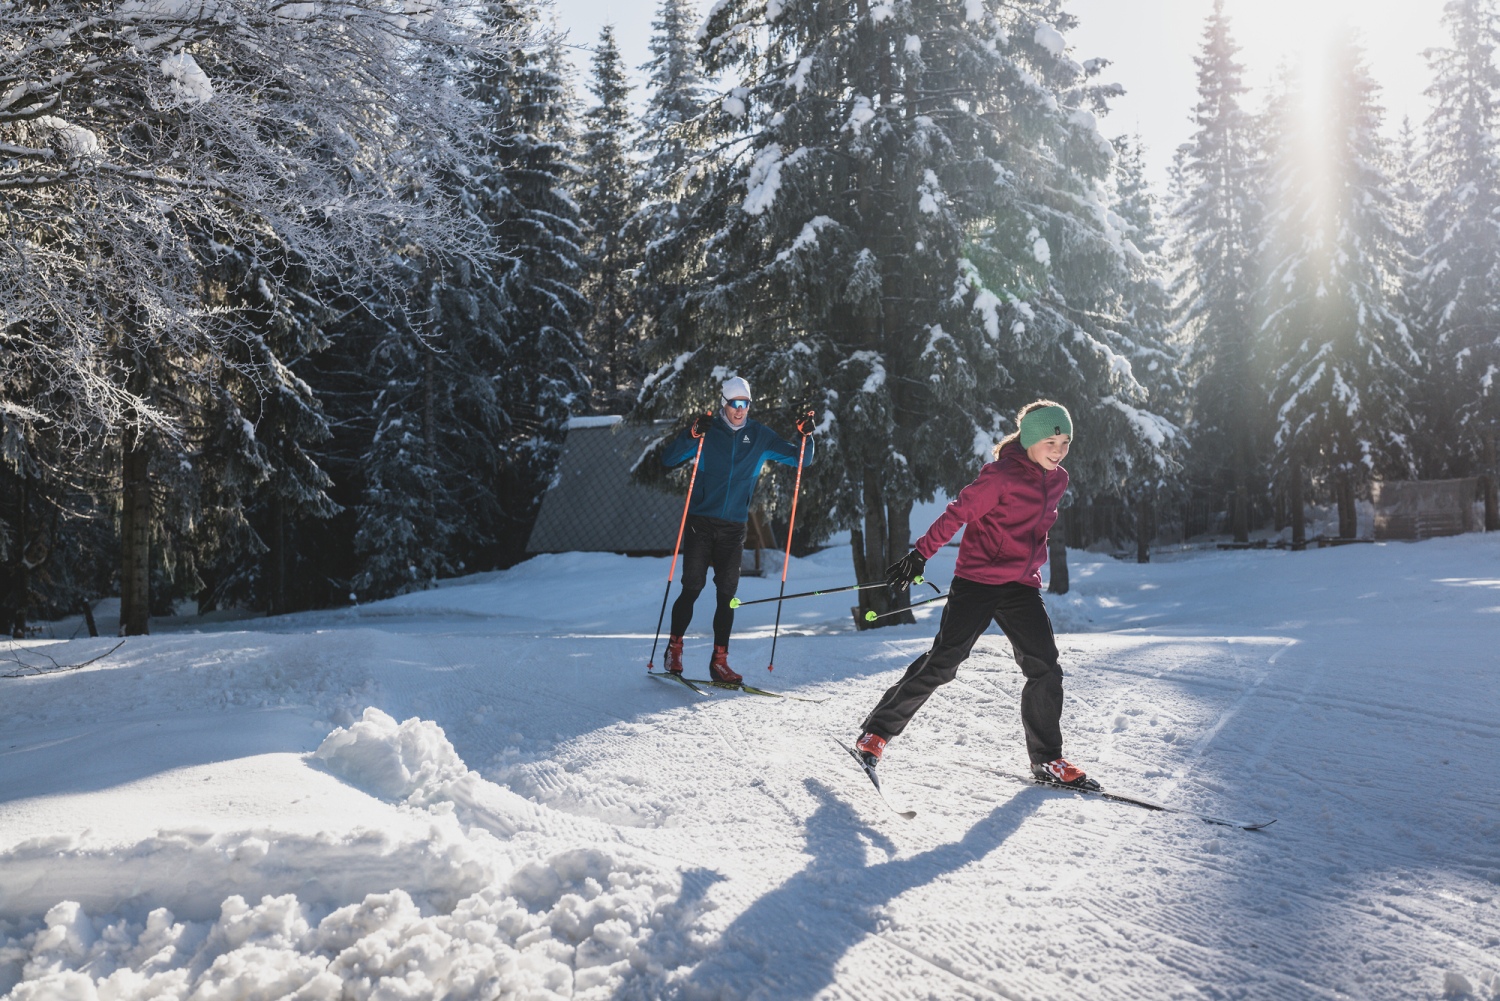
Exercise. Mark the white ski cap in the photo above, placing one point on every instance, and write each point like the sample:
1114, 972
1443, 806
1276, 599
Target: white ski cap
736, 387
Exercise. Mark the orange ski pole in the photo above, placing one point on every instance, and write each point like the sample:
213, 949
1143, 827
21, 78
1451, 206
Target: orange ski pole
787, 559
651, 664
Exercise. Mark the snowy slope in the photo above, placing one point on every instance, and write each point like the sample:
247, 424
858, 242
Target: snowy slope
233, 810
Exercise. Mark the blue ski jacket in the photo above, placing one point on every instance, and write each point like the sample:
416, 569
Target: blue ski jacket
731, 463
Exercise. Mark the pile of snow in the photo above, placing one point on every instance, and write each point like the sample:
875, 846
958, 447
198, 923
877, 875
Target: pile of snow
573, 926
453, 919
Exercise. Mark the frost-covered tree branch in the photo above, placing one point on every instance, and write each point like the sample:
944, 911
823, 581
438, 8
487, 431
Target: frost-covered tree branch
142, 142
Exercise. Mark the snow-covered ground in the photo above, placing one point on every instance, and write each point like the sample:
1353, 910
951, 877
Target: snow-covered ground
475, 792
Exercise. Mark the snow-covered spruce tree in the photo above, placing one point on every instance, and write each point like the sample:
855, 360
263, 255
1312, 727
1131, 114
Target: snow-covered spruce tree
521, 196
1147, 327
262, 492
669, 143
145, 140
1218, 218
407, 521
1457, 291
1338, 356
474, 381
57, 542
1409, 194
607, 197
872, 239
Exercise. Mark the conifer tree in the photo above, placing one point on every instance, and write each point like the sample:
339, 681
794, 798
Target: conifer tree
1337, 353
1217, 218
670, 142
1457, 290
1147, 327
875, 239
607, 204
474, 378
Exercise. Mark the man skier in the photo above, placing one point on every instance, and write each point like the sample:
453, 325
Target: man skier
734, 450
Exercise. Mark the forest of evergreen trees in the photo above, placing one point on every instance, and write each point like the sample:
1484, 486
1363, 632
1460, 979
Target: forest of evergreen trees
296, 300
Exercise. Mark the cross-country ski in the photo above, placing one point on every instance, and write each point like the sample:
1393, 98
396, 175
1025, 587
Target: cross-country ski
870, 773
1122, 797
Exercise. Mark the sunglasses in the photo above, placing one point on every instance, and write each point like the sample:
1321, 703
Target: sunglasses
737, 404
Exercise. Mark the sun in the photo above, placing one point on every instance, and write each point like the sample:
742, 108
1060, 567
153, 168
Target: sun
1305, 35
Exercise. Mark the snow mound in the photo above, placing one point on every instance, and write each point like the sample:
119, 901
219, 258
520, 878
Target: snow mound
580, 925
402, 762
413, 764
444, 909
193, 872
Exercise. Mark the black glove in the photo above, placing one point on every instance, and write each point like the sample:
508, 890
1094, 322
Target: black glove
904, 572
807, 422
701, 424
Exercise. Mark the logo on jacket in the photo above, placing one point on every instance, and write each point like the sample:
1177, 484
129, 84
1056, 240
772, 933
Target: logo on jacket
746, 438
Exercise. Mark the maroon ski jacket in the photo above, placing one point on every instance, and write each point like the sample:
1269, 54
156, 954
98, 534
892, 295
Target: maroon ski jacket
1009, 508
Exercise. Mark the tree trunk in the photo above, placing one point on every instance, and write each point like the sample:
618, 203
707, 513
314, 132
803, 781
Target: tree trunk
883, 539
876, 536
1143, 529
1057, 556
23, 568
1348, 519
1240, 512
278, 604
135, 537
898, 524
1491, 514
1299, 516
857, 544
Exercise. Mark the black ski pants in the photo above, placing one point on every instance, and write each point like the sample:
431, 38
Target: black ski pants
709, 542
1018, 610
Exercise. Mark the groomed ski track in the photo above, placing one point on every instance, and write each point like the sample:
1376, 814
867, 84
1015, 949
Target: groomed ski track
661, 845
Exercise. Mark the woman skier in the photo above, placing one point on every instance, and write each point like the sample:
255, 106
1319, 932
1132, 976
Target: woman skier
1008, 509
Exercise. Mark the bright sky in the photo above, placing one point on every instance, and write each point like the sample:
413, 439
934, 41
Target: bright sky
1151, 44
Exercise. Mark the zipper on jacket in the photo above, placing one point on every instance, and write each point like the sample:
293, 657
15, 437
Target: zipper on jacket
1040, 515
729, 476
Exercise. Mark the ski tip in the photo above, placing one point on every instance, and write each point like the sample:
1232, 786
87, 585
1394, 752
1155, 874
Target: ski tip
1260, 826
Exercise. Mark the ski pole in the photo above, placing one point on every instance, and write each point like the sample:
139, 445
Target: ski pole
737, 603
871, 616
787, 559
651, 664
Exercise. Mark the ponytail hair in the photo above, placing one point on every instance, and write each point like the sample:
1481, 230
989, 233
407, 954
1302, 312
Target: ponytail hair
1016, 434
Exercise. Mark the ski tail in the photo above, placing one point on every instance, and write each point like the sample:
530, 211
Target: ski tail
669, 677
874, 779
739, 686
1146, 804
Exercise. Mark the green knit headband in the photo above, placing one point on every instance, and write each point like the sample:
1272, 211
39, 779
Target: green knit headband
1044, 422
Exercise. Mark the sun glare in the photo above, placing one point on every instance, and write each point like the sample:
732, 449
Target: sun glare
1312, 58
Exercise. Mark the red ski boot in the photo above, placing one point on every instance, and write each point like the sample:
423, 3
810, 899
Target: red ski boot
870, 747
1060, 773
719, 668
673, 660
